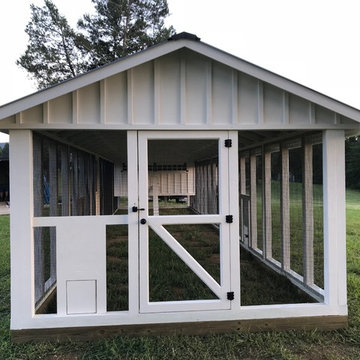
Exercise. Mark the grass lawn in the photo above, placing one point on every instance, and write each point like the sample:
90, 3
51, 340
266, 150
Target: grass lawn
341, 344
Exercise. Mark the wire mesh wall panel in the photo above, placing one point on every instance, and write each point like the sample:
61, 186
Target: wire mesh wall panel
45, 264
107, 204
285, 178
64, 179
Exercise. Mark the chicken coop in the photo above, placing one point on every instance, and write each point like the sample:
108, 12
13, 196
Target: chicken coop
177, 190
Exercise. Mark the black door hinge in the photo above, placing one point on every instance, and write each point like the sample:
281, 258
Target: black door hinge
228, 143
230, 295
229, 219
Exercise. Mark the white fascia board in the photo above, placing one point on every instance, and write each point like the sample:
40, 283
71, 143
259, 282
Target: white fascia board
89, 78
275, 80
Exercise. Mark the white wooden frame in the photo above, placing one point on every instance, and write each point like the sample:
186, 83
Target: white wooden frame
156, 224
22, 284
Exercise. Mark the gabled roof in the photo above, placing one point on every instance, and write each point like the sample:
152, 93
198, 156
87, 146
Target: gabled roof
179, 41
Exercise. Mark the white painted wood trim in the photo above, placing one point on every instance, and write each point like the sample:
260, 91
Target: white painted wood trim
156, 223
334, 217
133, 220
103, 96
124, 318
75, 107
166, 48
260, 103
130, 101
234, 235
21, 231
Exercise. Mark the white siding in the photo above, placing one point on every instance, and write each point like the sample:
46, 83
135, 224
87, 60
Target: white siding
181, 90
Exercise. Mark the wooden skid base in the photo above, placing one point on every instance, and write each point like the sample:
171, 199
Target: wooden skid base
198, 328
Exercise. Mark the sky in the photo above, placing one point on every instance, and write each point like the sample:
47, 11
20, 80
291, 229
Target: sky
313, 42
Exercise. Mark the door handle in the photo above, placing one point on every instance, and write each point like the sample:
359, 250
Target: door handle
143, 221
136, 209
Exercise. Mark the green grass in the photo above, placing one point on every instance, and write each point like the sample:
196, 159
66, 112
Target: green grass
315, 344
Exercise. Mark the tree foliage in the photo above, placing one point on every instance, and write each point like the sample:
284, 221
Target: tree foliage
52, 54
56, 51
122, 27
5, 150
352, 146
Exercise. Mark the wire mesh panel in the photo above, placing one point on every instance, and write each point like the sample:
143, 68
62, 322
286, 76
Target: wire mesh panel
318, 213
183, 174
45, 270
259, 201
296, 209
117, 277
170, 278
64, 179
276, 205
286, 208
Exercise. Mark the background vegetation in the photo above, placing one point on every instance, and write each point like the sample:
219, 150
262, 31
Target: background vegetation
340, 344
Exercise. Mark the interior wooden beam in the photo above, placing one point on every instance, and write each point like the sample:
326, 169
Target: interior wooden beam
308, 214
285, 209
253, 202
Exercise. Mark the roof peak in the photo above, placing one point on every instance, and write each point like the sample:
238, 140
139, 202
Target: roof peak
184, 35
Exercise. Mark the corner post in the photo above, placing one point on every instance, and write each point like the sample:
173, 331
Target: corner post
21, 234
334, 220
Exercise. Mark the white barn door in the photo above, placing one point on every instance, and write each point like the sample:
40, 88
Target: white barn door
184, 250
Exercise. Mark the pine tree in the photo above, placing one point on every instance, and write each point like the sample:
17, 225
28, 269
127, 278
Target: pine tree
56, 51
123, 27
51, 55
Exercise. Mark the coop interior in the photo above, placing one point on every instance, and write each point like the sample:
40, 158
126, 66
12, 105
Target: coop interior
84, 173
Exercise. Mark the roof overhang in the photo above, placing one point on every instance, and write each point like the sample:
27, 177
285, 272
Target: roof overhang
168, 47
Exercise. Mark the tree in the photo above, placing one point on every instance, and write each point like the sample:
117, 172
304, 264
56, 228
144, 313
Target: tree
52, 54
57, 52
5, 150
123, 27
352, 147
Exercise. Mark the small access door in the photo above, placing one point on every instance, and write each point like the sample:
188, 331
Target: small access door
183, 223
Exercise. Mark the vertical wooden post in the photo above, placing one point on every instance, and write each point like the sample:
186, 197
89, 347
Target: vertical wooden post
209, 189
201, 189
214, 186
53, 206
156, 190
75, 184
267, 219
242, 190
308, 217
21, 231
81, 187
87, 184
242, 175
334, 219
65, 194
97, 185
38, 196
285, 210
206, 193
253, 202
